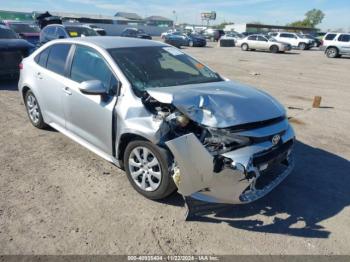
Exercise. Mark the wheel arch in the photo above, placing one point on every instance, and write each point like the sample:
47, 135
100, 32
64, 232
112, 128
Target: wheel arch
331, 46
122, 143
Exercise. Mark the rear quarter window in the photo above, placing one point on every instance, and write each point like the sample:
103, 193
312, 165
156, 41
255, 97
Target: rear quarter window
56, 61
330, 36
41, 58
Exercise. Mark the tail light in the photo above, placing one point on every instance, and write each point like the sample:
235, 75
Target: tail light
20, 66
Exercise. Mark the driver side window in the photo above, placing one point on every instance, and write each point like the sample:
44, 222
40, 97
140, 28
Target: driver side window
88, 65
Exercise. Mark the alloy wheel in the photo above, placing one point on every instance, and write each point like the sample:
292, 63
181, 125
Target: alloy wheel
33, 109
145, 169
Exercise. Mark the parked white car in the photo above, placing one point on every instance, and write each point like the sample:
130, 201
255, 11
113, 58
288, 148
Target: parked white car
262, 42
336, 44
295, 40
232, 36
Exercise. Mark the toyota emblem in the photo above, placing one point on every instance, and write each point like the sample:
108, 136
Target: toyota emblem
276, 139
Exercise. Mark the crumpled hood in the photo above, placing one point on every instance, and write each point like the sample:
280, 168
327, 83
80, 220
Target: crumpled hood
220, 104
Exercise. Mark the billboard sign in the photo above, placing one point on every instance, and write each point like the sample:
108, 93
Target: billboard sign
208, 15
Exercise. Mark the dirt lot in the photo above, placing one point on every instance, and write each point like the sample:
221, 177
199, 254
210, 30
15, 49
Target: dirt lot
58, 198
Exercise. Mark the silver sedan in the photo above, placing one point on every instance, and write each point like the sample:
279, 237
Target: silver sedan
265, 43
167, 119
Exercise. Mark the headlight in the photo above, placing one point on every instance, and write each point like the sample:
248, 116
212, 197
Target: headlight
182, 120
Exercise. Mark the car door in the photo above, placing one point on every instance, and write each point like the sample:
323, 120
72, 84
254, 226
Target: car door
90, 117
251, 40
344, 44
262, 43
50, 77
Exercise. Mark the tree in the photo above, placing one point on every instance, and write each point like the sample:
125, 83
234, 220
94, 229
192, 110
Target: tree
312, 18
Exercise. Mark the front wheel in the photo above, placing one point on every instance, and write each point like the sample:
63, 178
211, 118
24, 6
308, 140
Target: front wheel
34, 111
302, 46
190, 43
245, 47
147, 168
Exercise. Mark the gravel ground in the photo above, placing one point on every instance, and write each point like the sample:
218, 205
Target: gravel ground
56, 197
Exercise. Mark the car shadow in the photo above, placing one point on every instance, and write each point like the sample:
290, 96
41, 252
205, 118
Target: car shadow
317, 190
8, 84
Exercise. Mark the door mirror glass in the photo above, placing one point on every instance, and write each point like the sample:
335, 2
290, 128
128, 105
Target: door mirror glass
92, 87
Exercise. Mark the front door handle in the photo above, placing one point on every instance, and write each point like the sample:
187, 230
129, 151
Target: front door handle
39, 75
67, 90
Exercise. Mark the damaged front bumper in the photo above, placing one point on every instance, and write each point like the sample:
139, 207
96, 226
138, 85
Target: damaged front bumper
245, 174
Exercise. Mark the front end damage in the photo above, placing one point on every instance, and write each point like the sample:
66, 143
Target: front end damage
240, 176
223, 153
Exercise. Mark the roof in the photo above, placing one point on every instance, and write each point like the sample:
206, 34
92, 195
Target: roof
157, 18
132, 16
108, 42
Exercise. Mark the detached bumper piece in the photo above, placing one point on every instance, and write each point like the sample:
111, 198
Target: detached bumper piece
237, 177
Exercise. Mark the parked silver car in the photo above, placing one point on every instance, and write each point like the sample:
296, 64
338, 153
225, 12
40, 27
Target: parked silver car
262, 42
336, 44
167, 119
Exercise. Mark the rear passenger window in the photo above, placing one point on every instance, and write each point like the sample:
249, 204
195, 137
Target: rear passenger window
344, 38
330, 36
253, 38
87, 65
57, 58
41, 58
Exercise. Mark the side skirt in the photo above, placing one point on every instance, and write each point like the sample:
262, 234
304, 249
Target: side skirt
86, 144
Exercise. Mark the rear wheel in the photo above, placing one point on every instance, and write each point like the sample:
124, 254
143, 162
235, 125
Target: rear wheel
274, 49
33, 110
332, 52
147, 168
190, 43
245, 47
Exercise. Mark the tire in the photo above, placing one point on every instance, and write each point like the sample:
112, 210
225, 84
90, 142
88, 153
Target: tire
33, 110
274, 49
245, 47
332, 52
140, 171
190, 43
302, 46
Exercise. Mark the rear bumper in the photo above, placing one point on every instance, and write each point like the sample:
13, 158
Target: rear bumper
246, 174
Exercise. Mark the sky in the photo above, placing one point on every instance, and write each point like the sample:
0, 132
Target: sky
278, 12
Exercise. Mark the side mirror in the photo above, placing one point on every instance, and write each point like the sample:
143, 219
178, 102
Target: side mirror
92, 87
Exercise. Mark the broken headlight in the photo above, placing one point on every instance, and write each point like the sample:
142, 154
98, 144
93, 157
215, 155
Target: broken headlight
219, 141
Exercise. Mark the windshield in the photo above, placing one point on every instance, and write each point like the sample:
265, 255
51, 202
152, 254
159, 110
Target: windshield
76, 31
7, 34
24, 28
158, 66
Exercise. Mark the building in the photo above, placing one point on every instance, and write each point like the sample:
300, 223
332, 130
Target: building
159, 21
128, 18
261, 28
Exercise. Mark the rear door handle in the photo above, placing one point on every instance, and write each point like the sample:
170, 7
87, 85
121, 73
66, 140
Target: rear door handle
67, 90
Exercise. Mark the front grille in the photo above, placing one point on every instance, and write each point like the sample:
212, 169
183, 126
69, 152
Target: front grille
274, 155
